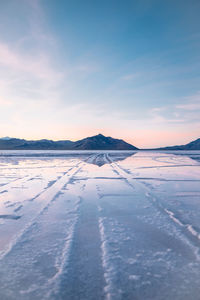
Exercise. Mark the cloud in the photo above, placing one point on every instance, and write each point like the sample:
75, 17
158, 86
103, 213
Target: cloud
28, 73
36, 65
156, 110
189, 106
191, 103
132, 76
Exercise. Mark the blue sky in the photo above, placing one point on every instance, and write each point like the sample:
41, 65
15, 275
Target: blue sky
129, 69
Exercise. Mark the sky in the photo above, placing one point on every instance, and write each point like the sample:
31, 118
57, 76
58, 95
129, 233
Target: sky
128, 69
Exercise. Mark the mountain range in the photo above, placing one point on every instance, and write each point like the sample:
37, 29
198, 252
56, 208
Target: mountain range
194, 145
97, 142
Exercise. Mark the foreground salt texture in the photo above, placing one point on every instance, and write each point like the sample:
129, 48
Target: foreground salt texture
99, 225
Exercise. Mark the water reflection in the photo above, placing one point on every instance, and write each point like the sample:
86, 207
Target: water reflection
67, 217
194, 155
102, 159
99, 158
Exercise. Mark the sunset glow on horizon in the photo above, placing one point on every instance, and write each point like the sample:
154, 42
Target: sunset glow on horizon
73, 69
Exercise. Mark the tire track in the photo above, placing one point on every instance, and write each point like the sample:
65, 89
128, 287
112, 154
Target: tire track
85, 259
18, 180
42, 201
40, 258
191, 235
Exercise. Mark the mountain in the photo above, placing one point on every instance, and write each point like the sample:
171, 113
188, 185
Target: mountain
101, 142
195, 145
21, 144
11, 143
97, 142
6, 138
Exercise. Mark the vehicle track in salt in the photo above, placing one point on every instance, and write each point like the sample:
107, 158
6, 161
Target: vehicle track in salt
190, 233
87, 241
43, 200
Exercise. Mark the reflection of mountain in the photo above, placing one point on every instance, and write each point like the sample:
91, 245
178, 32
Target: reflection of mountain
95, 158
101, 159
196, 158
97, 142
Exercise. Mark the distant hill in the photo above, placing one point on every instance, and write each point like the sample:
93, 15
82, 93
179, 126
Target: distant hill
195, 145
6, 138
21, 144
97, 142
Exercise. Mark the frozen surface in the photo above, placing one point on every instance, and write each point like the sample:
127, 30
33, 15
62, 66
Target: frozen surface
99, 225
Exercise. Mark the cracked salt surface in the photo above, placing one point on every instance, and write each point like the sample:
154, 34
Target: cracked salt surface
99, 225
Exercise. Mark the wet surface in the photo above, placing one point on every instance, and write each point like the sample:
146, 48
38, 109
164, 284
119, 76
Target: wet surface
99, 225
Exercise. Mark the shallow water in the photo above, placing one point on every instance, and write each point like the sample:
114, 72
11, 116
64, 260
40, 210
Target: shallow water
99, 225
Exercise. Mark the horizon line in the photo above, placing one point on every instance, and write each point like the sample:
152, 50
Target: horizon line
57, 140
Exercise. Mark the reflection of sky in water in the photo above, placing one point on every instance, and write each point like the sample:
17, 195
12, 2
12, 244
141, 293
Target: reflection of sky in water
129, 220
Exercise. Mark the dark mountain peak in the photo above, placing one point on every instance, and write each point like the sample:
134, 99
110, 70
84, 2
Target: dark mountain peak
100, 135
101, 142
96, 137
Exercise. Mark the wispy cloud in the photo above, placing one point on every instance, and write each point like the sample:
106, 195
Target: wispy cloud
29, 75
131, 76
182, 114
191, 103
38, 66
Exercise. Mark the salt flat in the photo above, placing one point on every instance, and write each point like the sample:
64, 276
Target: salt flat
99, 225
